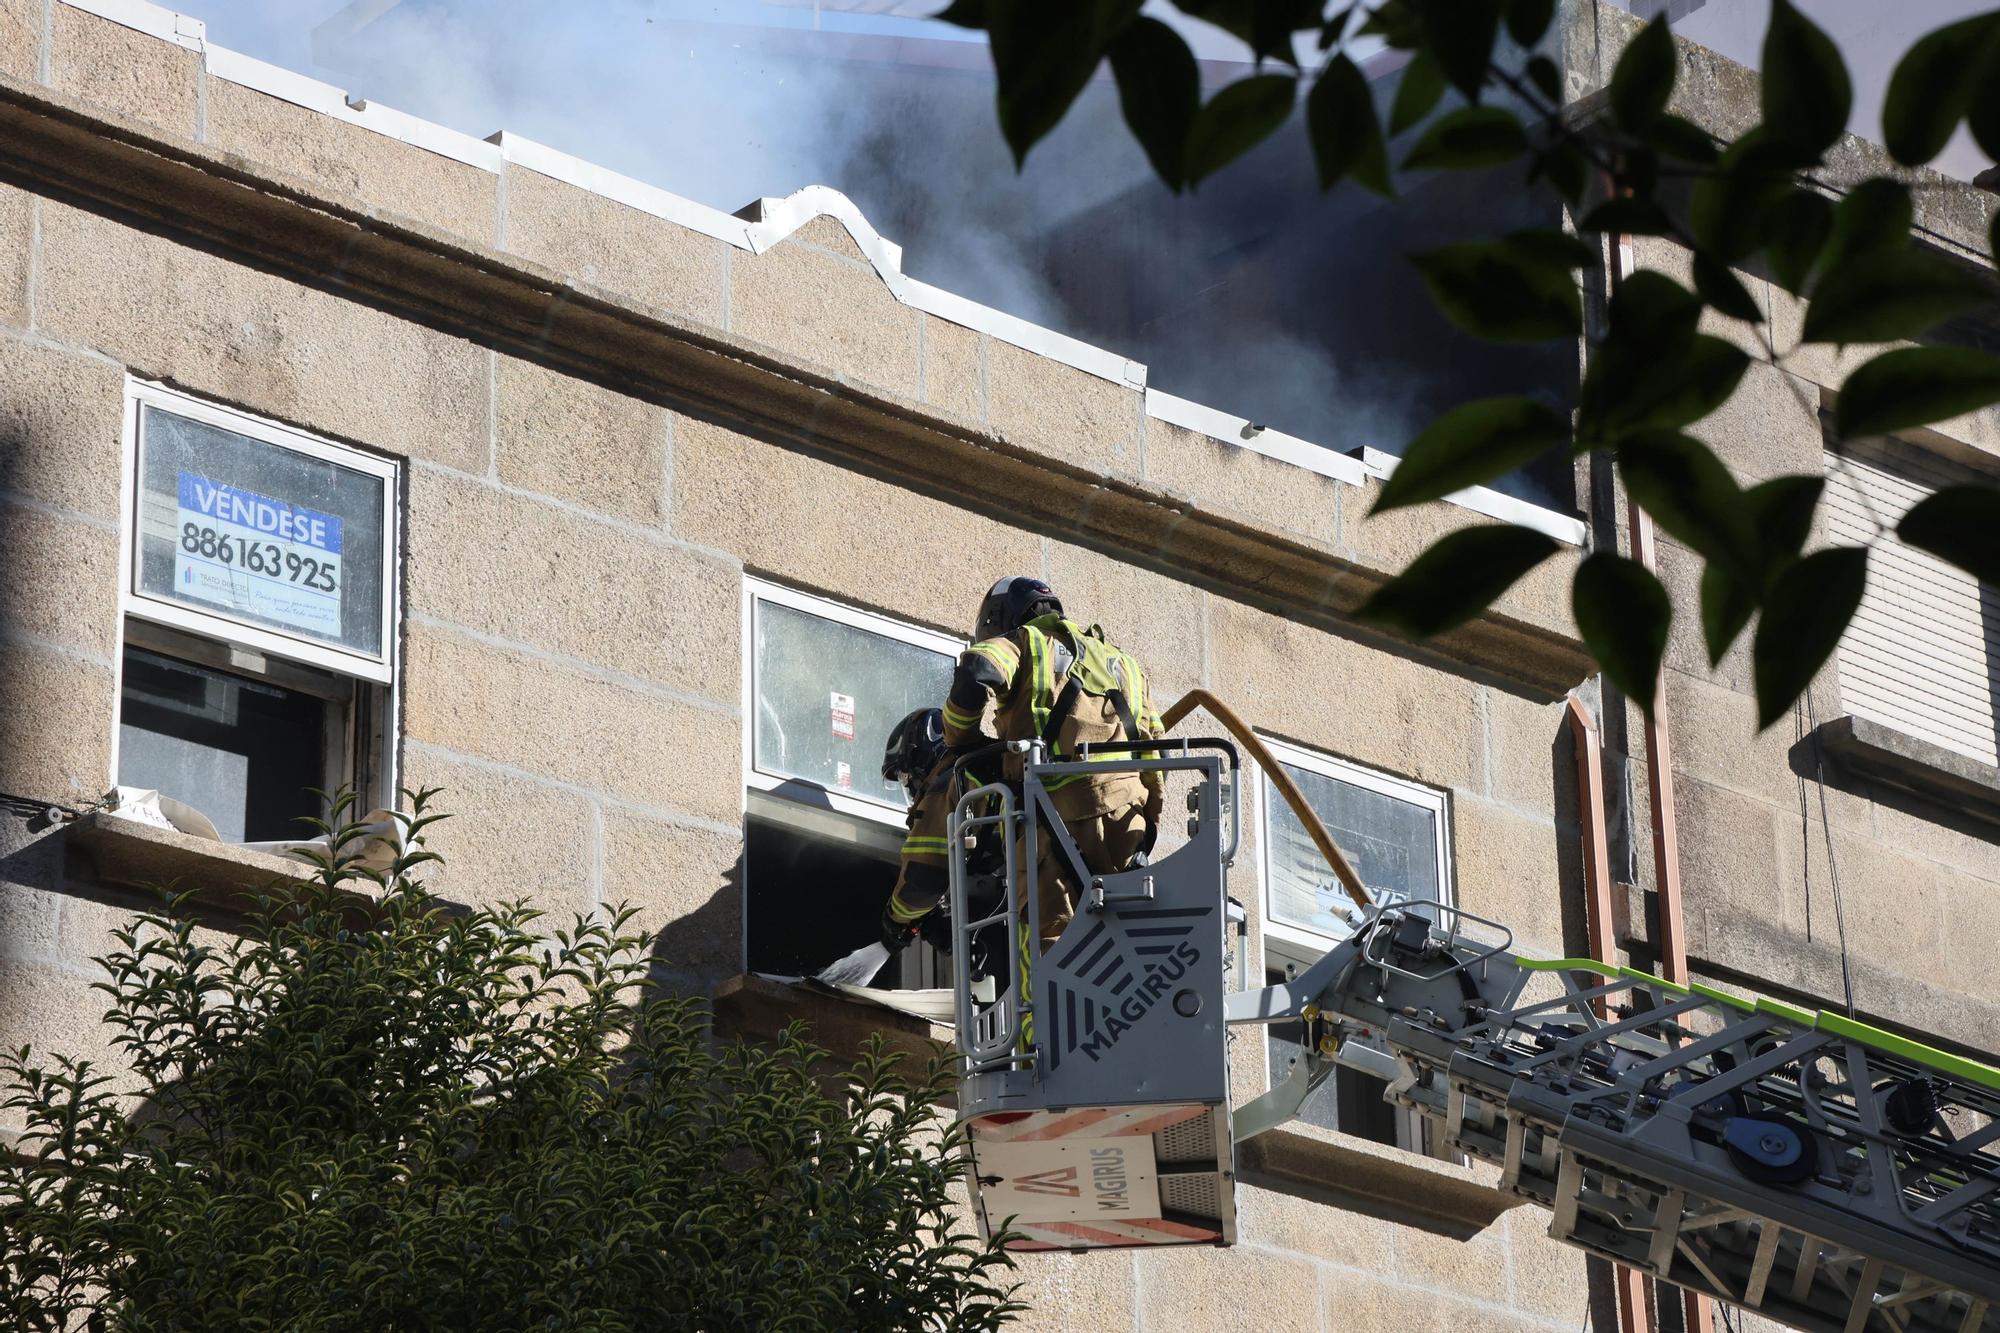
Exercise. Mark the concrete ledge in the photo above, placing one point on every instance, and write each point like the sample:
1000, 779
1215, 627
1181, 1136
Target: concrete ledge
757, 1009
1341, 1171
135, 854
78, 152
1886, 755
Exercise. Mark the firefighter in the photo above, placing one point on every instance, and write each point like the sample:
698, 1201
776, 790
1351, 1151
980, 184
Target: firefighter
916, 758
1052, 679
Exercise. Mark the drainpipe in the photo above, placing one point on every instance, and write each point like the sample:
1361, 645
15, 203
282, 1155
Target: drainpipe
1628, 1284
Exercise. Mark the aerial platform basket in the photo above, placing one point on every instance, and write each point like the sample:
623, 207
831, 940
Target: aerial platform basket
1095, 1090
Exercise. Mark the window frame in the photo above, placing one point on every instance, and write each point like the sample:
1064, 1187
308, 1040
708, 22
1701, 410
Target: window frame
371, 759
797, 792
1301, 944
135, 602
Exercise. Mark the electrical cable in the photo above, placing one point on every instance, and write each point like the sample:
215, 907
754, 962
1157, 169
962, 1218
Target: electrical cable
1832, 864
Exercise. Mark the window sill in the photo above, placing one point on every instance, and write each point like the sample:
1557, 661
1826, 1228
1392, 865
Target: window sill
1359, 1175
758, 1009
1872, 750
133, 853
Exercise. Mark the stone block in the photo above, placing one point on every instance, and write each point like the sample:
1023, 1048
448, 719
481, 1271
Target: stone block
379, 171
581, 443
1769, 427
21, 39
508, 838
1730, 854
1068, 1292
1550, 1279
1222, 477
954, 367
17, 234
829, 233
60, 423
1476, 1267
1202, 1287
1968, 846
53, 1009
1971, 920
828, 312
1364, 1300
1824, 365
1350, 699
62, 579
865, 541
1531, 764
544, 576
1155, 618
1066, 414
1513, 871
131, 73
614, 246
1894, 904
245, 336
1715, 739
57, 712
687, 884
575, 727
1317, 1230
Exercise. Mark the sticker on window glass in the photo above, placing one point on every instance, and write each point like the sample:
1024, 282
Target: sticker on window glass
843, 775
256, 555
843, 716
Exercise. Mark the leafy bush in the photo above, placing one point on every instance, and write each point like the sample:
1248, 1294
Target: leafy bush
398, 1117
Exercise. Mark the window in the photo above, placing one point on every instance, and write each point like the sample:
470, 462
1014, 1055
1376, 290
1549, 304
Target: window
824, 686
1922, 656
259, 604
1397, 835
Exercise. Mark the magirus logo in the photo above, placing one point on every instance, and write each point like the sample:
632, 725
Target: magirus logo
1117, 973
1061, 1183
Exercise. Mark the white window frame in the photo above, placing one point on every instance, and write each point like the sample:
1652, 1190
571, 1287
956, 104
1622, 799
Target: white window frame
794, 791
1300, 944
380, 669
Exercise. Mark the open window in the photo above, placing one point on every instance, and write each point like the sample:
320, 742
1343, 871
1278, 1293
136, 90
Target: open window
1397, 835
259, 610
824, 685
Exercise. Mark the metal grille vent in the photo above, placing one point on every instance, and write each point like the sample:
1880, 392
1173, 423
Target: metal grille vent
1192, 1192
1189, 1141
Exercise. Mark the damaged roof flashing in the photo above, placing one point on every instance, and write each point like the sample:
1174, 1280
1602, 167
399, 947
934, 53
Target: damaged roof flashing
765, 222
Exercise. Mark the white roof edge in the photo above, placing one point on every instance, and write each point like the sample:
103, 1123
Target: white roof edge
300, 90
1245, 434
1485, 500
153, 20
774, 220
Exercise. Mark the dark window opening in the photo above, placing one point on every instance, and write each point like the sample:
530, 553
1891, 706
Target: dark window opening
816, 895
1349, 1101
247, 753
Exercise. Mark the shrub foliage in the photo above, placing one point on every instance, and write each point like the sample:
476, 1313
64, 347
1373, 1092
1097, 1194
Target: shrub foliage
400, 1117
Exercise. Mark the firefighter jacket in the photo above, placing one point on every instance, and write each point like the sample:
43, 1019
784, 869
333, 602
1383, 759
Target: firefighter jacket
921, 882
1056, 681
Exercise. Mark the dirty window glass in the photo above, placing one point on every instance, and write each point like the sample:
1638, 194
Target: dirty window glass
827, 695
1392, 841
258, 533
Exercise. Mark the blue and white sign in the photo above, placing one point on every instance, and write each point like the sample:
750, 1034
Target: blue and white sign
259, 556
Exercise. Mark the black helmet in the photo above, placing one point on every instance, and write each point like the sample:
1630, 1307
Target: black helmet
1012, 603
913, 749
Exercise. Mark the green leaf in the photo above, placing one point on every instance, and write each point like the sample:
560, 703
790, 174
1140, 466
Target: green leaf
1983, 117
1669, 392
1527, 20
1718, 285
1265, 26
1960, 524
1235, 120
1806, 92
1417, 92
1159, 88
1796, 231
1346, 137
1472, 136
1886, 295
1807, 611
1915, 386
1500, 292
1542, 72
1781, 513
1726, 607
1043, 59
1623, 614
1469, 446
1691, 495
1644, 78
1628, 215
1682, 139
1461, 34
1875, 215
1456, 578
964, 13
1729, 207
1567, 167
1654, 314
1550, 246
1932, 89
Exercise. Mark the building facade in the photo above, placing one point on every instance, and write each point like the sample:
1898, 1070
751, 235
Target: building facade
340, 448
